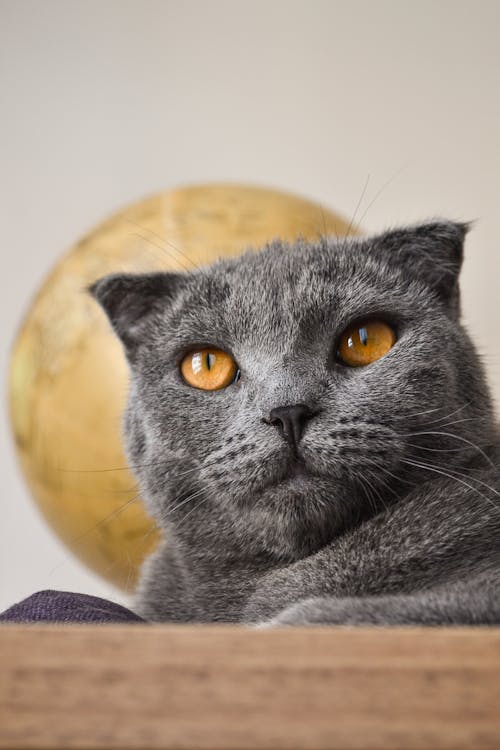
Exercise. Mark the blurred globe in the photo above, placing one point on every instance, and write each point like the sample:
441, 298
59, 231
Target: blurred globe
68, 377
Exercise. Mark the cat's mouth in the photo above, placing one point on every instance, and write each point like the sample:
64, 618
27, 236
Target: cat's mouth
297, 473
297, 469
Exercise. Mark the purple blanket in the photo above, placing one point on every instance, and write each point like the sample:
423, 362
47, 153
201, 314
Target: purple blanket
63, 606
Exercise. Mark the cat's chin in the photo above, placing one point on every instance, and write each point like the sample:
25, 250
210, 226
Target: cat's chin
297, 515
299, 478
300, 482
310, 495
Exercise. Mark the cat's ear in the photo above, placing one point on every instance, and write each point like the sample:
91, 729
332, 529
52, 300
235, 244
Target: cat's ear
431, 252
130, 300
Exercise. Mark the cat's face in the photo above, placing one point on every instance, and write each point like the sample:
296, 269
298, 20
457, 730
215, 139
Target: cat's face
298, 443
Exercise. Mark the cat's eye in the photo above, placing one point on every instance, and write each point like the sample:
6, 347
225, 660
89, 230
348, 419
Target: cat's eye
209, 369
365, 342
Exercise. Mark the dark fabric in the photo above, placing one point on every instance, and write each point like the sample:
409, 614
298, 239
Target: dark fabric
63, 606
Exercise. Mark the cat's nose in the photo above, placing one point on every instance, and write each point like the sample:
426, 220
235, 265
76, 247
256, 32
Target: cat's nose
290, 421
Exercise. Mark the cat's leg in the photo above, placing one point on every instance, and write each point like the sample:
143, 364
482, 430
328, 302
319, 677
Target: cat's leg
472, 602
438, 535
166, 592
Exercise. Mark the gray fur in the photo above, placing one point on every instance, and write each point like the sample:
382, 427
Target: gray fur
394, 517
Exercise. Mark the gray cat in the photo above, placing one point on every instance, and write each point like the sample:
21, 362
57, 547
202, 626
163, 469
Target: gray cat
311, 428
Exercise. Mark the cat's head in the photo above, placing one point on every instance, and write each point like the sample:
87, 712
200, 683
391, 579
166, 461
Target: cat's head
289, 392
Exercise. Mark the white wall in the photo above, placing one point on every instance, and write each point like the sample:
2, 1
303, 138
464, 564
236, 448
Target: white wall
105, 101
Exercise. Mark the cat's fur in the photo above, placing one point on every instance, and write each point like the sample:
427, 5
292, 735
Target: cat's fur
392, 514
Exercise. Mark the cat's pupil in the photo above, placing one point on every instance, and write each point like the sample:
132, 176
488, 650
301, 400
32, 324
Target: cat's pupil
363, 335
210, 360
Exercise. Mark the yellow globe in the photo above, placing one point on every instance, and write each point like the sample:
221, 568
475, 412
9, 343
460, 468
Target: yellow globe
68, 378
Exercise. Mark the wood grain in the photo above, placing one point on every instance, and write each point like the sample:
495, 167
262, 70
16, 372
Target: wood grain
218, 688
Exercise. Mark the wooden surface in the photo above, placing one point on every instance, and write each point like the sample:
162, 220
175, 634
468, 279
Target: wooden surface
223, 687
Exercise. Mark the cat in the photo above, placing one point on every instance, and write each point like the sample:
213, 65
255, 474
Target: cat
311, 428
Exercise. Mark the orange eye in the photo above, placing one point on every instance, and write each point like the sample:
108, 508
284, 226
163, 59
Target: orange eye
209, 369
365, 342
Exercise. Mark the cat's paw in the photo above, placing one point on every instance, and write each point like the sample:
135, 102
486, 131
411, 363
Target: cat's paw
330, 610
274, 593
327, 611
264, 625
314, 611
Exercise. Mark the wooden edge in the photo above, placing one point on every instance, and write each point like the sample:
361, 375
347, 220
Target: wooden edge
225, 687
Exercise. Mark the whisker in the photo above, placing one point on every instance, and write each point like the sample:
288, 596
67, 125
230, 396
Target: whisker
168, 242
377, 493
325, 233
357, 206
106, 519
460, 408
386, 483
455, 437
398, 479
366, 488
465, 419
432, 411
188, 499
473, 479
428, 467
198, 467
380, 191
435, 450
183, 520
163, 249
131, 467
418, 413
104, 471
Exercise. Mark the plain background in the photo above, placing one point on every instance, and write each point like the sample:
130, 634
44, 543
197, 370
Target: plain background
106, 101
